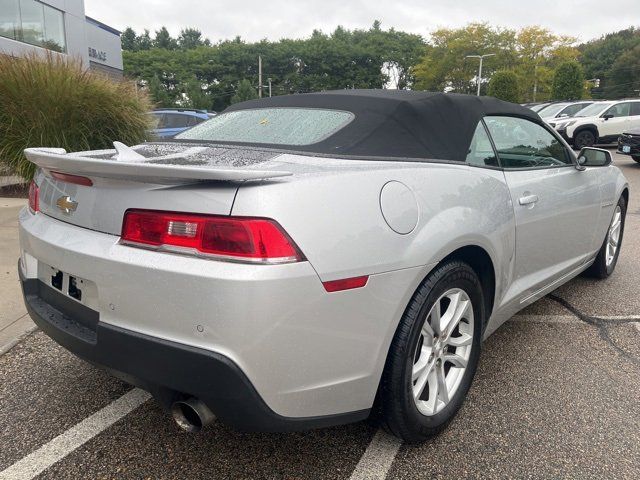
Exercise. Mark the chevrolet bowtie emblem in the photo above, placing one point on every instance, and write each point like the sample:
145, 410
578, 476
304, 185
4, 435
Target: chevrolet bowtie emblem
66, 204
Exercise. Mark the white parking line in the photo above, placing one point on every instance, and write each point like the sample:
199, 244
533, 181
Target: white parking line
65, 443
620, 317
377, 458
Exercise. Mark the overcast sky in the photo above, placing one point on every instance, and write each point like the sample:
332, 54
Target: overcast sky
275, 19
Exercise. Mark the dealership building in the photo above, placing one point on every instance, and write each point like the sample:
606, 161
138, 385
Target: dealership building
59, 26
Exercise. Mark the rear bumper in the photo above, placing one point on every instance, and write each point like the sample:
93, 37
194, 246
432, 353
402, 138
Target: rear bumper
167, 369
306, 353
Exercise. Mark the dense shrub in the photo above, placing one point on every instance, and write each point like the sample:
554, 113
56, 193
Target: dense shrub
504, 85
568, 82
54, 102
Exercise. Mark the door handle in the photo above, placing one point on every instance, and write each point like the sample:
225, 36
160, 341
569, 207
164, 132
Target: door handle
528, 200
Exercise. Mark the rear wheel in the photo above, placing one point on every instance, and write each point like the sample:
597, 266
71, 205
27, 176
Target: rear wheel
636, 158
434, 354
584, 138
605, 262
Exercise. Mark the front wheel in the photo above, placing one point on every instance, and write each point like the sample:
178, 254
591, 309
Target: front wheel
434, 354
636, 158
584, 138
607, 258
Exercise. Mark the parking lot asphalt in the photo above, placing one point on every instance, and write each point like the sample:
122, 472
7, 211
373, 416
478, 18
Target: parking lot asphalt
556, 396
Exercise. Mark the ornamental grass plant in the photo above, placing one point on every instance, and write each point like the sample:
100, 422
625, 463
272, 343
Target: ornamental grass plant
52, 101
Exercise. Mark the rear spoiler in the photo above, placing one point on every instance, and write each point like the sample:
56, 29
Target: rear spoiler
126, 164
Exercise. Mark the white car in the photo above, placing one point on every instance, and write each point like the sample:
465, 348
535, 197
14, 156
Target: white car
601, 122
562, 110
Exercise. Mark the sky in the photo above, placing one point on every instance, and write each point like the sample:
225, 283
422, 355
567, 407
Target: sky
274, 19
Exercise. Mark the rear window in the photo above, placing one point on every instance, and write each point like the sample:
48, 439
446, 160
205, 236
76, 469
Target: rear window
277, 126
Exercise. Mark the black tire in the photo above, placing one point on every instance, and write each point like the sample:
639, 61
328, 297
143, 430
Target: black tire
636, 158
584, 138
599, 268
400, 415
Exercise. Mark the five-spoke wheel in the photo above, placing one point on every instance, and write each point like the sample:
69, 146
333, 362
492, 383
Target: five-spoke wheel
434, 353
443, 351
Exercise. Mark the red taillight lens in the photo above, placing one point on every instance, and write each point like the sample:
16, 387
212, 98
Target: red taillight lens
34, 193
235, 238
345, 284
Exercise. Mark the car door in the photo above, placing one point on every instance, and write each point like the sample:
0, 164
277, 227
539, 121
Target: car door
615, 120
634, 117
556, 206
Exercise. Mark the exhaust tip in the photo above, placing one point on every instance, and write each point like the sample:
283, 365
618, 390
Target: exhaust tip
191, 415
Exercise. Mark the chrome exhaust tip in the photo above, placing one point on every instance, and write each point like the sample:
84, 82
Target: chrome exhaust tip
191, 414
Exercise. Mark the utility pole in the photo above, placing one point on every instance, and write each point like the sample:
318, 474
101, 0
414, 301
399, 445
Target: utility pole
269, 82
481, 57
259, 76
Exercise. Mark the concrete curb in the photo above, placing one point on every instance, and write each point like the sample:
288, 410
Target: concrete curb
7, 347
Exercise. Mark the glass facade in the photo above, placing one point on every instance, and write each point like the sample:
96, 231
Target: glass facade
32, 22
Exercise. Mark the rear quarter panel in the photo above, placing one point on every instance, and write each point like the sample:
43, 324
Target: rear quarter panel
335, 217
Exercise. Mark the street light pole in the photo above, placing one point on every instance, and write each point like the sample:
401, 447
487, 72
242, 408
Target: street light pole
259, 76
481, 57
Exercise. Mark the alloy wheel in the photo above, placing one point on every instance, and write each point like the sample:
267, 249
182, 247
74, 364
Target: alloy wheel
442, 352
613, 236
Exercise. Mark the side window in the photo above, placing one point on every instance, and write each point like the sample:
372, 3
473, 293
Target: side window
635, 108
619, 110
193, 120
176, 120
481, 151
161, 120
521, 143
571, 110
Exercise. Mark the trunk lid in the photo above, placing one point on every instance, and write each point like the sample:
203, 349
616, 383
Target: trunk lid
173, 177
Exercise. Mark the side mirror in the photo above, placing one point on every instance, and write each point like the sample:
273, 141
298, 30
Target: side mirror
593, 157
563, 115
608, 116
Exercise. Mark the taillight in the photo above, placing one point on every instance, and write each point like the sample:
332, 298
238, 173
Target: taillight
256, 240
75, 179
34, 193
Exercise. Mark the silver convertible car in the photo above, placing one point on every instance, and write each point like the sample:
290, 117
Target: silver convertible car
310, 260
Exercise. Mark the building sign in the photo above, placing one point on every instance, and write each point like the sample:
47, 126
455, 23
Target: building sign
97, 54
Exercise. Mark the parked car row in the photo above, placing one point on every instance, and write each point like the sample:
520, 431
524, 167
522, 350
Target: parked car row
586, 123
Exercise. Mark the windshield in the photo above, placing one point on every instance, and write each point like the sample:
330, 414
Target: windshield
552, 110
537, 108
594, 109
276, 126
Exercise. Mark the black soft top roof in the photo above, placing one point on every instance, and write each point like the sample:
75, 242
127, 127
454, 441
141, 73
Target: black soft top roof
397, 123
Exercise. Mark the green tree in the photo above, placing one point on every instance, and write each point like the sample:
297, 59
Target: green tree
164, 39
568, 82
191, 38
599, 56
444, 65
624, 78
504, 85
245, 91
159, 94
144, 42
196, 96
128, 39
